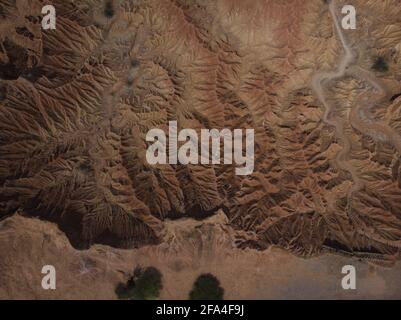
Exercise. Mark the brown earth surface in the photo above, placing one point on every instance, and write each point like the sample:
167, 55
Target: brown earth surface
77, 102
29, 244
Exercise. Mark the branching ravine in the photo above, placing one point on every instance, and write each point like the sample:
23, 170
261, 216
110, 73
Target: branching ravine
318, 84
358, 118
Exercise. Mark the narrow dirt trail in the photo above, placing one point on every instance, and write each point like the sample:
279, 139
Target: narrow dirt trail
359, 119
319, 81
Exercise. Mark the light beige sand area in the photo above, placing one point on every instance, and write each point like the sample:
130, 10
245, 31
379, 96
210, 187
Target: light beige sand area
27, 244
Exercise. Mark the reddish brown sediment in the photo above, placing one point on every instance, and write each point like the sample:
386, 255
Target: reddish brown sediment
77, 102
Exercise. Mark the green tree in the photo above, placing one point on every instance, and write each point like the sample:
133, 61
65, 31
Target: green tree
206, 287
109, 9
144, 284
380, 64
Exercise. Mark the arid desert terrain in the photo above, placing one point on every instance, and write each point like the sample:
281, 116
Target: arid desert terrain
78, 192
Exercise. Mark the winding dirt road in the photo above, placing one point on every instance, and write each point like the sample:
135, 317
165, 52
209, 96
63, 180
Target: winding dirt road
359, 118
318, 84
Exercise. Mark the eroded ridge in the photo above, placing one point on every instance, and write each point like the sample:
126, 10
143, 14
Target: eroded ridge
76, 104
359, 119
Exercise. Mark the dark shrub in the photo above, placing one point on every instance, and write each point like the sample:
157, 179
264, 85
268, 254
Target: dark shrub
144, 284
207, 287
380, 64
108, 9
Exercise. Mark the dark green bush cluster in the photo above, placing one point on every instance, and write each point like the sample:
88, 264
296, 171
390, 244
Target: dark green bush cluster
380, 64
109, 8
207, 287
144, 284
